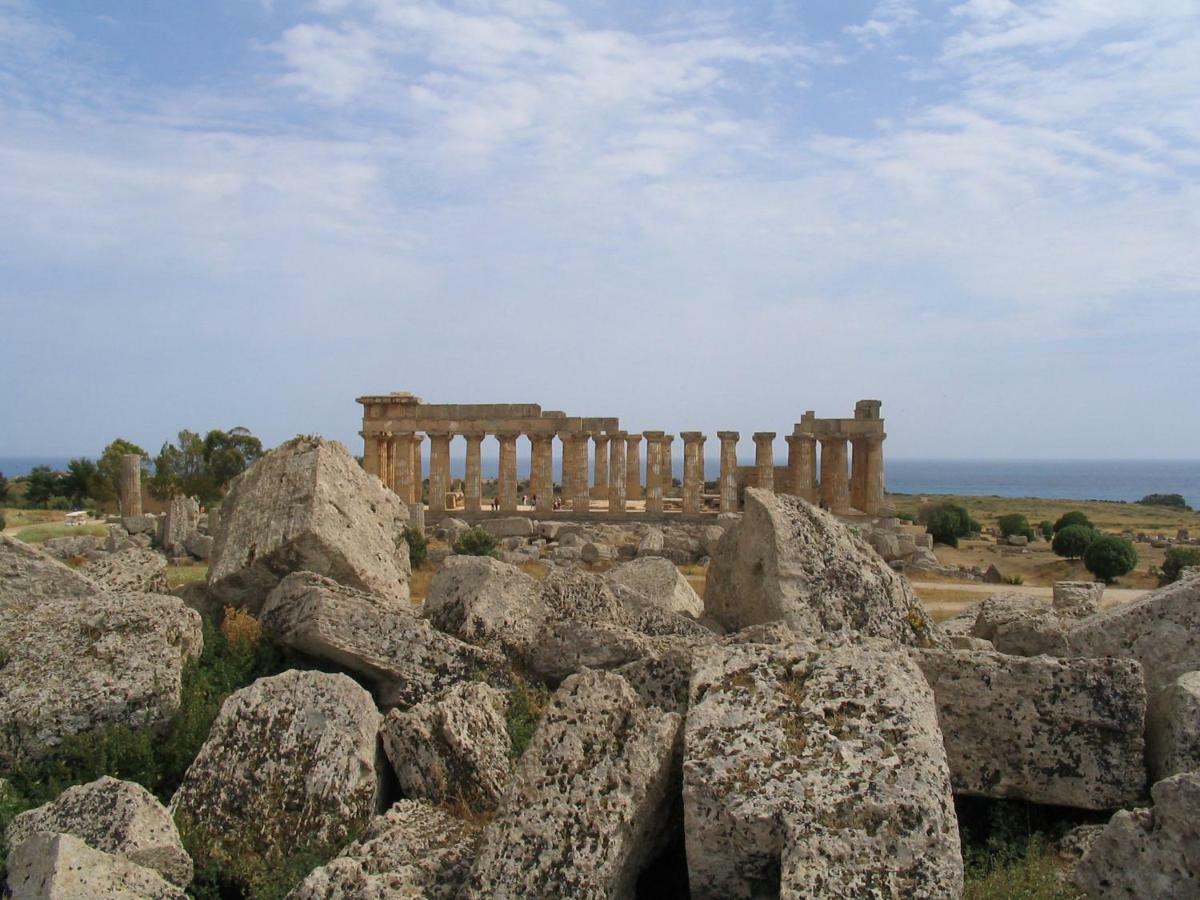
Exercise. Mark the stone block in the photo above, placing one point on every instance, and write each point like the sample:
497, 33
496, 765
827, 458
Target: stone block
1173, 728
508, 526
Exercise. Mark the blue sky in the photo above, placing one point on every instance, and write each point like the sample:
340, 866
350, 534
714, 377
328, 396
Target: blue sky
690, 215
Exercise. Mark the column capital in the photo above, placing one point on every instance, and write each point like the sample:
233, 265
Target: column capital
834, 438
474, 435
601, 438
729, 435
620, 435
653, 435
690, 437
632, 437
507, 435
764, 436
668, 439
438, 435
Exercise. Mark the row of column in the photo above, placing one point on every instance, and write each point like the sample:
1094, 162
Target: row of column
396, 457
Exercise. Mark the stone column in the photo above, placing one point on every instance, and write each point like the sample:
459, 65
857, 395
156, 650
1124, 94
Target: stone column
764, 459
693, 470
633, 467
473, 483
417, 476
873, 488
802, 466
131, 485
729, 497
668, 465
858, 473
508, 471
654, 480
398, 464
835, 488
616, 474
439, 470
371, 451
600, 484
542, 471
581, 498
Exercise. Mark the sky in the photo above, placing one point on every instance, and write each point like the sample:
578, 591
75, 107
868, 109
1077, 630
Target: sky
690, 215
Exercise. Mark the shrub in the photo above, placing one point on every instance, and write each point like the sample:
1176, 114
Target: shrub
1109, 556
1047, 529
418, 547
1015, 523
906, 517
1175, 501
475, 542
241, 630
1072, 518
1013, 579
525, 707
1073, 540
1177, 559
947, 522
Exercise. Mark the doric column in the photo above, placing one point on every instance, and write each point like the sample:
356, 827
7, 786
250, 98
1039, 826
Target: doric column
508, 471
600, 484
371, 454
873, 489
417, 476
616, 474
835, 488
439, 470
729, 498
693, 470
542, 471
387, 461
581, 498
668, 465
131, 485
802, 466
764, 459
397, 464
654, 479
473, 483
633, 467
858, 473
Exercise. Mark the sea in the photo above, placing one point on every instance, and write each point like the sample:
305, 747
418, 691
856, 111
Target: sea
1067, 479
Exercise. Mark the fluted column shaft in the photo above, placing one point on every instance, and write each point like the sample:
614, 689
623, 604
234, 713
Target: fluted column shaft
600, 466
616, 474
668, 465
473, 482
654, 481
397, 464
802, 466
417, 477
508, 472
858, 473
386, 442
439, 470
633, 467
371, 455
729, 498
131, 485
874, 483
542, 472
835, 488
580, 493
693, 470
764, 459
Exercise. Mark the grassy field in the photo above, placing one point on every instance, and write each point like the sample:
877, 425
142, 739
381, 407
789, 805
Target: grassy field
1108, 516
19, 518
35, 534
179, 575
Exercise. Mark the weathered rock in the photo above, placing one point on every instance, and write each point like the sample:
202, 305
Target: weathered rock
885, 544
130, 570
593, 552
710, 537
405, 658
508, 526
180, 519
788, 560
814, 772
589, 801
549, 530
140, 524
307, 505
1066, 732
651, 543
199, 545
566, 555
486, 602
75, 664
62, 867
661, 679
289, 762
1078, 598
1148, 852
1022, 625
117, 540
1173, 728
993, 575
451, 748
29, 577
117, 817
412, 851
654, 582
1017, 540
71, 547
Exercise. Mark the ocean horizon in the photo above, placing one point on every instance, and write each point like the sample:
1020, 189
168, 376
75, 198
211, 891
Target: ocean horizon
1064, 479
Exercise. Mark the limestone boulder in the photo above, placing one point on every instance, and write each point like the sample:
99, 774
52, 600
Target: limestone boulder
593, 552
589, 801
1148, 852
486, 602
71, 547
788, 560
816, 772
652, 543
654, 582
414, 850
404, 657
117, 817
452, 748
62, 867
140, 524
1022, 625
76, 664
289, 762
1173, 728
1078, 598
199, 545
308, 506
661, 678
885, 544
181, 518
509, 526
134, 569
117, 539
30, 577
1066, 732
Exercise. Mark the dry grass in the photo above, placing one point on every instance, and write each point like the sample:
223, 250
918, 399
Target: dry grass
535, 570
189, 574
19, 518
419, 580
1106, 515
240, 628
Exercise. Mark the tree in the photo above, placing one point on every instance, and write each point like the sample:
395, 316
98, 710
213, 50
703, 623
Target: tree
1109, 557
229, 454
1175, 501
418, 547
1178, 559
1015, 523
82, 480
1073, 541
1072, 518
947, 522
3, 488
1047, 529
109, 485
203, 467
42, 485
475, 542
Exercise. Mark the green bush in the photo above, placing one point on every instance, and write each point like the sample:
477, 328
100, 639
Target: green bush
1175, 501
1015, 523
1178, 559
906, 517
1013, 579
947, 522
475, 542
525, 706
1073, 541
1072, 518
1047, 529
418, 547
1109, 557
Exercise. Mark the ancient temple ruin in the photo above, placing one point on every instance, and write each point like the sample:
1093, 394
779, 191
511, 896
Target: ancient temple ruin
603, 463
